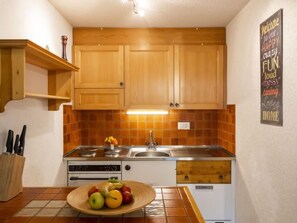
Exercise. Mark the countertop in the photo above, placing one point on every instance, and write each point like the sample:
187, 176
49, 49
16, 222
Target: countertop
202, 152
44, 205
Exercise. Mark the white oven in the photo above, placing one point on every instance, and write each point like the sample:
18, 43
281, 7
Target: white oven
84, 172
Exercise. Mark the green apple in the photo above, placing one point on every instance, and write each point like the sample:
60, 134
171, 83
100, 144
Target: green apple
96, 200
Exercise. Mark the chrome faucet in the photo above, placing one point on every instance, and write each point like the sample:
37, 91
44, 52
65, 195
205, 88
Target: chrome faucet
151, 145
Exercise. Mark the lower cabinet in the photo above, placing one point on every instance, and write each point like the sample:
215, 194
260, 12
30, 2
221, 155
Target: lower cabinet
212, 184
155, 173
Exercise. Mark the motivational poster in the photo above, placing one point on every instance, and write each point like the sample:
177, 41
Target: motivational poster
271, 57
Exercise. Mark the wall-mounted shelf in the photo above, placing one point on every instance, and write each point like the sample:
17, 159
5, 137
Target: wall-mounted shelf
14, 55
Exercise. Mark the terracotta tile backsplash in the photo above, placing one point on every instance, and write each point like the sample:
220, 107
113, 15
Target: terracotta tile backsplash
91, 127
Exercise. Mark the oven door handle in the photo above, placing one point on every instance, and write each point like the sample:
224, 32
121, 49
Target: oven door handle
90, 178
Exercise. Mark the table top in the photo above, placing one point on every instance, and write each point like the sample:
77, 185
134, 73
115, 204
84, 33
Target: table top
48, 204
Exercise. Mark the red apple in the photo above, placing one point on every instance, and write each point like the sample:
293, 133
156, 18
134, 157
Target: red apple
92, 190
127, 197
125, 188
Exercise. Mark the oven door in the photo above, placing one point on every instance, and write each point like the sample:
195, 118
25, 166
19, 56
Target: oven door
78, 179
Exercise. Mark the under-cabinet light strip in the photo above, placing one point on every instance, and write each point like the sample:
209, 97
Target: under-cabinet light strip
147, 112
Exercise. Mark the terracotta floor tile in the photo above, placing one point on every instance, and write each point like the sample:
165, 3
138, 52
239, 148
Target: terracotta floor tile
29, 190
158, 197
111, 220
45, 196
170, 190
134, 220
175, 212
68, 212
48, 212
156, 203
8, 212
27, 212
52, 191
155, 219
56, 204
178, 220
14, 203
60, 196
87, 220
155, 211
138, 213
18, 220
41, 220
171, 196
37, 203
63, 220
173, 204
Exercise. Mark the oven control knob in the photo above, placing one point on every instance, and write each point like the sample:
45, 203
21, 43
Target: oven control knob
127, 167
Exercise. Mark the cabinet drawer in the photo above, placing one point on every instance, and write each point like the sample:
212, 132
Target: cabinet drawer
203, 171
99, 99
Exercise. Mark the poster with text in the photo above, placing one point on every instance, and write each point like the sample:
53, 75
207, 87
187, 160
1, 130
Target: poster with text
271, 57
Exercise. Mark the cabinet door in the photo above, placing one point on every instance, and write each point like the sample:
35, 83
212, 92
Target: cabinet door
149, 77
155, 173
199, 76
215, 201
100, 66
98, 99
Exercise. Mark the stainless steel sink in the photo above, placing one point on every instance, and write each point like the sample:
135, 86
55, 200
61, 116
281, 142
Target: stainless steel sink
152, 154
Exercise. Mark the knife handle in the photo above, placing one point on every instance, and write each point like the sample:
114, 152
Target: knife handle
9, 142
16, 145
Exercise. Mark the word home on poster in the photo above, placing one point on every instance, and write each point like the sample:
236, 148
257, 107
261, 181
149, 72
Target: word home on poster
271, 57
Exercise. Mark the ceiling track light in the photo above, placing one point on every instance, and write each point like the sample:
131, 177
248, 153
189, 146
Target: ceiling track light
135, 8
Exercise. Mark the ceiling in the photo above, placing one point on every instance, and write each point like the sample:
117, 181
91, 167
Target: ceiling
158, 13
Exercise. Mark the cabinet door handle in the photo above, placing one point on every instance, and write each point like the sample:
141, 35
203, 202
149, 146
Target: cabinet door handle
122, 84
177, 105
186, 178
204, 187
171, 104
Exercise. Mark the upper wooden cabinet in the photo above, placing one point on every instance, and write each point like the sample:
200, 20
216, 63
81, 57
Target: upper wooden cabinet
199, 77
149, 77
100, 66
99, 84
14, 57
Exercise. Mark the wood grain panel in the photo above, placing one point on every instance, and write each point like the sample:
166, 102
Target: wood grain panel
99, 99
143, 36
149, 77
203, 171
100, 66
199, 75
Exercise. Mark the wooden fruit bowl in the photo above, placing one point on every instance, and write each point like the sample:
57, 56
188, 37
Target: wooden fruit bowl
143, 195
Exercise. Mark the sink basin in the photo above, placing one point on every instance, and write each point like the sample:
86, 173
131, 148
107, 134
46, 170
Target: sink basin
152, 154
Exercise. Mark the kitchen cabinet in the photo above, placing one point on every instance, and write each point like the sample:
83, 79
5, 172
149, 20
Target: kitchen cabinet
149, 76
155, 173
15, 55
156, 77
212, 184
99, 84
199, 81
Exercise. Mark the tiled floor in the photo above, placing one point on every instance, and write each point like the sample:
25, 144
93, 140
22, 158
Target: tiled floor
43, 205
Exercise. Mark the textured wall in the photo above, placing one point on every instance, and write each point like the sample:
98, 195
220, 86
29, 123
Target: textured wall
266, 155
38, 21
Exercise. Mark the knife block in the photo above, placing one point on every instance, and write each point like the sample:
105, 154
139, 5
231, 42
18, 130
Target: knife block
11, 173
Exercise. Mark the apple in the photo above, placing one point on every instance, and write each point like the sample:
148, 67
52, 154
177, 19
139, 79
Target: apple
127, 197
92, 190
96, 200
125, 188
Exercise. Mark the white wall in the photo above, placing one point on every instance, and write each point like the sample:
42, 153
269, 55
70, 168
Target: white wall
266, 188
38, 21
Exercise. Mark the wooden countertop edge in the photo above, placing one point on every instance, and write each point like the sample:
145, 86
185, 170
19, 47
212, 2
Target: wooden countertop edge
194, 205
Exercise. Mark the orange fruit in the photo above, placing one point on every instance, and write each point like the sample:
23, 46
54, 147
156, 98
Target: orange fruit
114, 199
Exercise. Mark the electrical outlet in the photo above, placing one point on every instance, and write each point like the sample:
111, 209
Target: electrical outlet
183, 125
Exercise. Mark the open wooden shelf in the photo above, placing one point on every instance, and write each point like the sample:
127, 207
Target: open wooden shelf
14, 55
